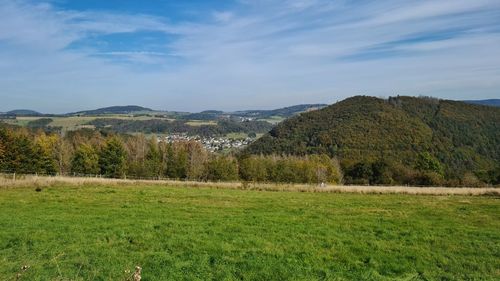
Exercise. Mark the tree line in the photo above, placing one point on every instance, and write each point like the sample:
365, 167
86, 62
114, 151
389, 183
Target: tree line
158, 126
91, 152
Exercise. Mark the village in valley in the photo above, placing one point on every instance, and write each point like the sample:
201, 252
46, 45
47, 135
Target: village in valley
212, 144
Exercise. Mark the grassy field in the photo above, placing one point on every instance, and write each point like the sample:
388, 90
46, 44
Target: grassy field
273, 119
197, 123
100, 232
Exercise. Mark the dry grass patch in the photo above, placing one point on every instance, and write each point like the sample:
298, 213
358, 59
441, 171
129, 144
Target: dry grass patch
8, 181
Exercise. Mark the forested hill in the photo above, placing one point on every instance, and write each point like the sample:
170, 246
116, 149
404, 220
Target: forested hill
283, 112
113, 110
406, 134
23, 112
490, 102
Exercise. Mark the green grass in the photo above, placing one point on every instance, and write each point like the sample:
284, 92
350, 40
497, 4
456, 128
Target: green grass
273, 119
98, 232
197, 123
237, 135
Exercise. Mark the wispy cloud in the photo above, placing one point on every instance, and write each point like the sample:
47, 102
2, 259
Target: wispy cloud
261, 53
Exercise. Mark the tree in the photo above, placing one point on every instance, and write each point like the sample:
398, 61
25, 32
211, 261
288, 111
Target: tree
197, 161
153, 160
381, 173
136, 150
428, 163
85, 160
45, 146
360, 173
2, 153
222, 168
253, 168
112, 158
20, 155
177, 160
327, 170
64, 153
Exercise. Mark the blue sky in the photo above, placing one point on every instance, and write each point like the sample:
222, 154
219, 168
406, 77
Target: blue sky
68, 55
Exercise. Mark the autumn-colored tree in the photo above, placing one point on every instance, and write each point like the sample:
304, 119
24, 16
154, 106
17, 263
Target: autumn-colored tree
253, 168
222, 168
136, 156
46, 147
197, 161
85, 160
64, 153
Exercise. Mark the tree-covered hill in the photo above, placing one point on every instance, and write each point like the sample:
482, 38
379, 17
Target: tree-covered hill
490, 102
22, 112
282, 112
114, 110
400, 138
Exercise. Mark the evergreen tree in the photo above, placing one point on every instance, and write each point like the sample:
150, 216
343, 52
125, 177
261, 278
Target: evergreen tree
177, 161
85, 160
153, 159
112, 158
381, 173
20, 155
360, 173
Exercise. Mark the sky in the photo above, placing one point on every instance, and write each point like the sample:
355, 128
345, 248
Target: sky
60, 56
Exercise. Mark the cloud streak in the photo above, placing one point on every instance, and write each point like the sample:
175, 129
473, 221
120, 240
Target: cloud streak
259, 54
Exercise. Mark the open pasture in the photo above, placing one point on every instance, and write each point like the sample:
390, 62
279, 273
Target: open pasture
101, 231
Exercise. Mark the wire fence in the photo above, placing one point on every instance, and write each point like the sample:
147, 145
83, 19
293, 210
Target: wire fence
14, 175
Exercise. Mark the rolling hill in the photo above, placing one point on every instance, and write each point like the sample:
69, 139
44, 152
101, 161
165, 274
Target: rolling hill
23, 112
114, 110
490, 102
406, 134
282, 112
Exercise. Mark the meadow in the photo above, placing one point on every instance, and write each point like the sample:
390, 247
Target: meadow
101, 230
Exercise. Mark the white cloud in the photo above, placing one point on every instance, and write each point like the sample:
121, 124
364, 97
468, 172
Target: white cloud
266, 54
224, 16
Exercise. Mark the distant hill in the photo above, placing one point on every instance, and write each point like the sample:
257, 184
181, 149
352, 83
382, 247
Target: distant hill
204, 115
282, 112
23, 112
455, 137
128, 109
490, 102
254, 114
